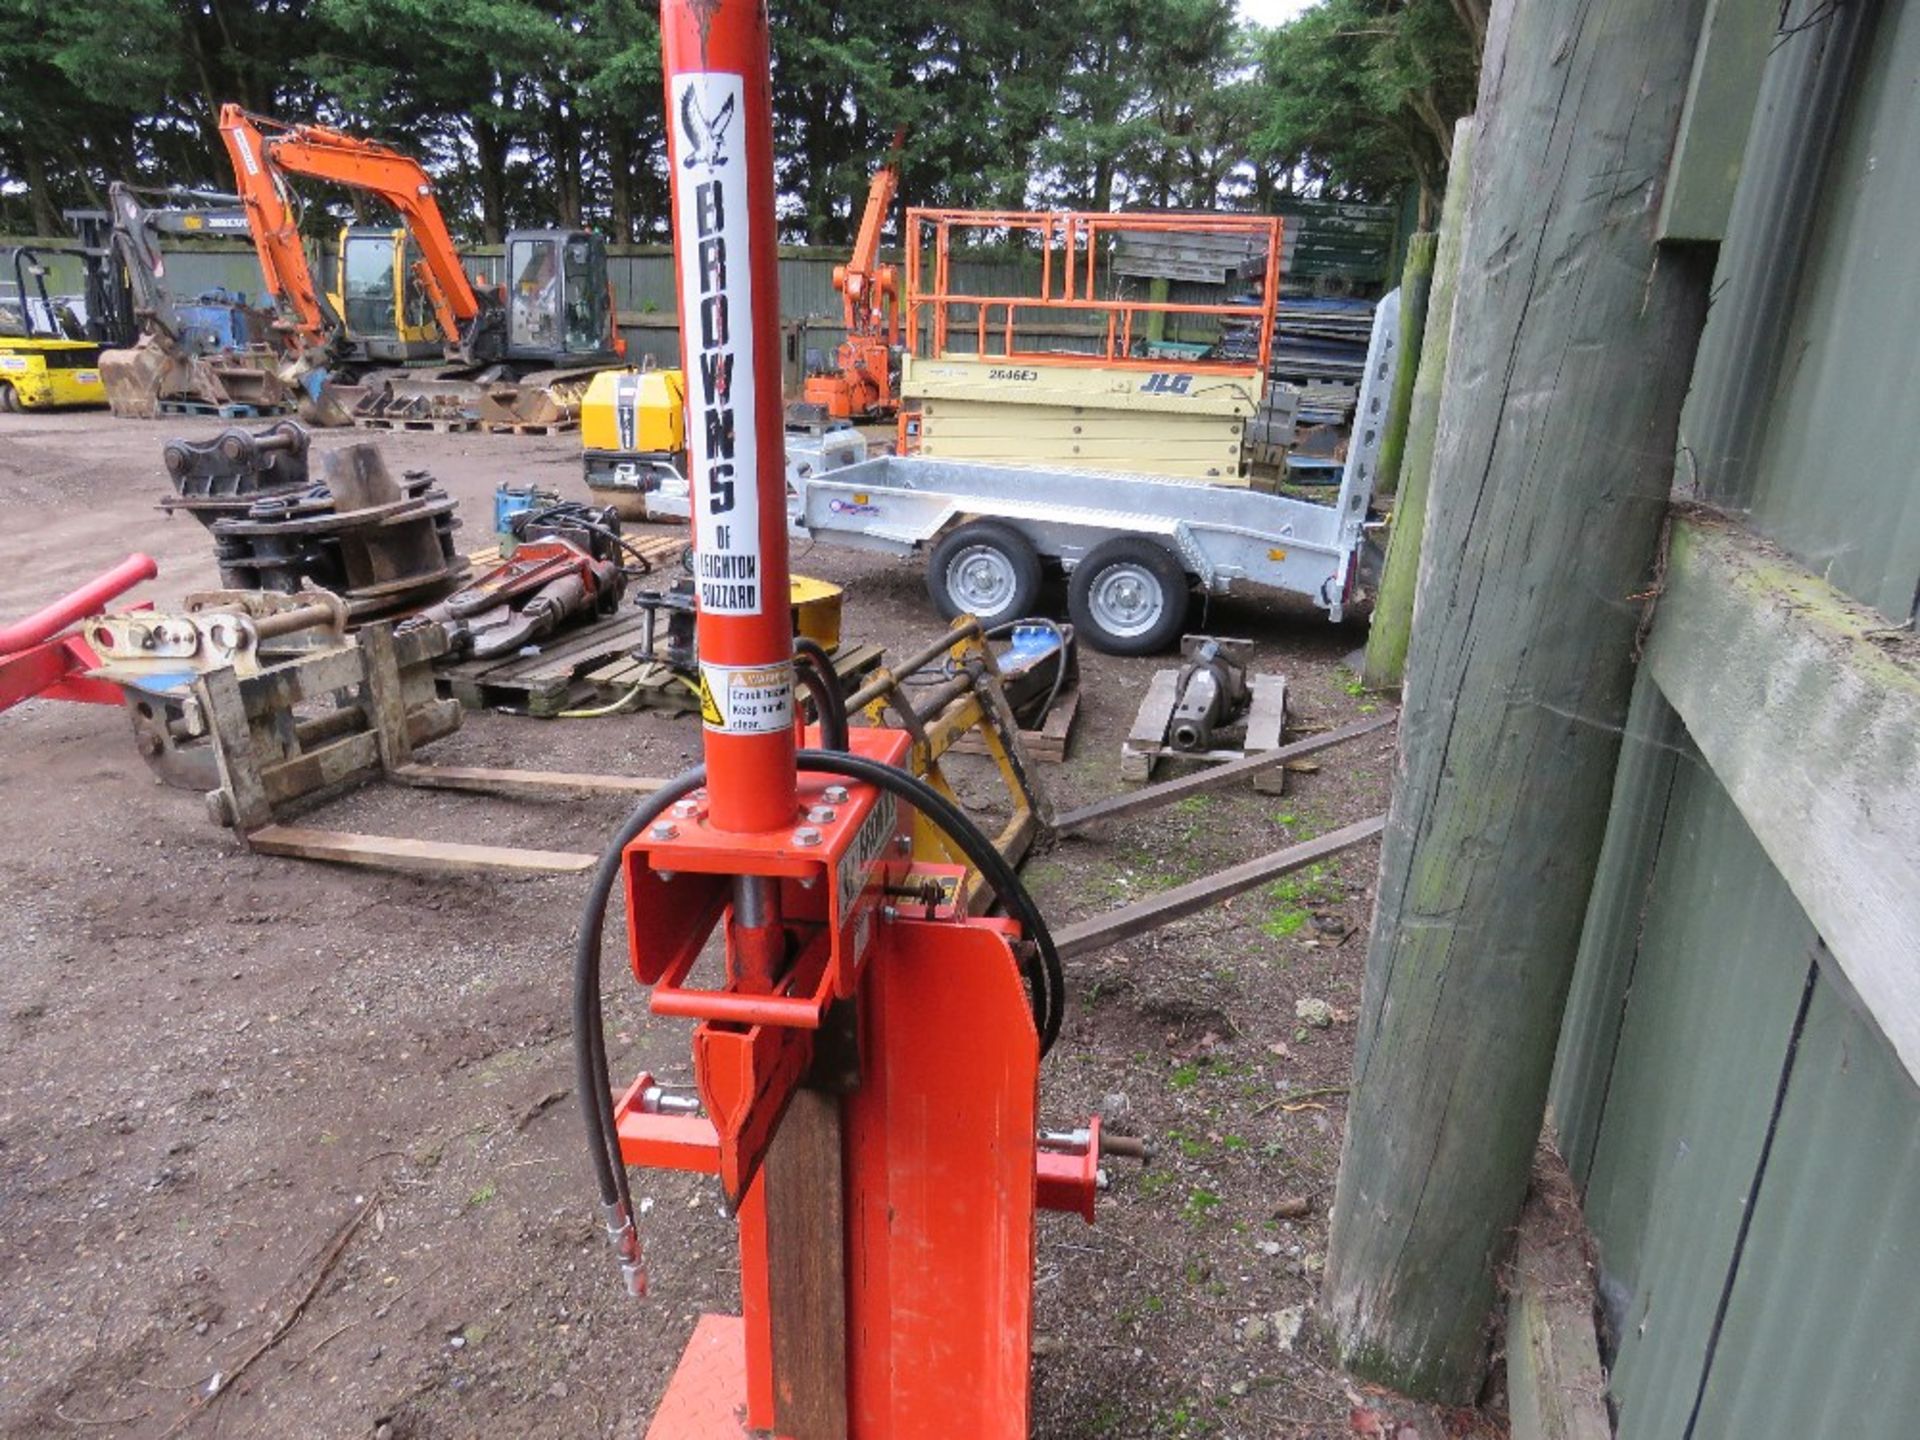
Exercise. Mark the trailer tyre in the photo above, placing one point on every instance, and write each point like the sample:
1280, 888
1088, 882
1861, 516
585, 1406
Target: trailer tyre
1128, 597
984, 569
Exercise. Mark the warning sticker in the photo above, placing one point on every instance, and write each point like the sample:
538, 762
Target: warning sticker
746, 700
716, 310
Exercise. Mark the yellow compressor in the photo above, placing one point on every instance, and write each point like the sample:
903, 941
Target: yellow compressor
633, 425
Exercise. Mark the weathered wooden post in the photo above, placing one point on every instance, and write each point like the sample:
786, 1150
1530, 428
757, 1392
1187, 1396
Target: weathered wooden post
1416, 288
1573, 341
1393, 607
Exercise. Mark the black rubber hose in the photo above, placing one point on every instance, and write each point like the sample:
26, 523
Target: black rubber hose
570, 510
812, 682
823, 684
1046, 978
591, 1071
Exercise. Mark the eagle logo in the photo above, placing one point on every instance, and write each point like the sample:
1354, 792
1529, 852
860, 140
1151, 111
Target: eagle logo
706, 133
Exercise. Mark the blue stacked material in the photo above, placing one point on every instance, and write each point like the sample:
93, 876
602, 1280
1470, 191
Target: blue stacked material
1321, 340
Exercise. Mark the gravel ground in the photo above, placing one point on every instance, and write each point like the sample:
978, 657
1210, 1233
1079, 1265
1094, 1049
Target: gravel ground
212, 1063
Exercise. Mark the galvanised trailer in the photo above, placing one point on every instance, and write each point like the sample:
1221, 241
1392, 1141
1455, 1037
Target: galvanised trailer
1133, 548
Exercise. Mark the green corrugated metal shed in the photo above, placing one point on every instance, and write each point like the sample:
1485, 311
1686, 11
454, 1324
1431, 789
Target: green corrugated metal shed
1819, 1336
1712, 984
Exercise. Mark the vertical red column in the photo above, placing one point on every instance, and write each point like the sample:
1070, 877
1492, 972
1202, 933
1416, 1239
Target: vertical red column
720, 151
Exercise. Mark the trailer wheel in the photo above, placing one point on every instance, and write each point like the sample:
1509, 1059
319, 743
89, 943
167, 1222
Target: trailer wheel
984, 569
1128, 597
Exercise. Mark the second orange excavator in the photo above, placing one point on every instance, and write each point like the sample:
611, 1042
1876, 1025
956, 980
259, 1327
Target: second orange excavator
521, 355
861, 385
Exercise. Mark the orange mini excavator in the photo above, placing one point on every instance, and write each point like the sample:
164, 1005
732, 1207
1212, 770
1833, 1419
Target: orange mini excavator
526, 353
861, 384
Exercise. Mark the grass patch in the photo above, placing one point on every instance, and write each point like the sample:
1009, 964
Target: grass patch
1201, 1202
1285, 924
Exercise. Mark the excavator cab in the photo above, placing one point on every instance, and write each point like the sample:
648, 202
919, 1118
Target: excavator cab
559, 309
377, 292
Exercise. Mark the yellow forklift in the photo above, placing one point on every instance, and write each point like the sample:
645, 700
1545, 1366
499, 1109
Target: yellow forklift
46, 361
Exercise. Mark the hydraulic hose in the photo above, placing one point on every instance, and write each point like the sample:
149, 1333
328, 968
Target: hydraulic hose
575, 514
823, 684
1046, 979
931, 675
592, 1076
1059, 655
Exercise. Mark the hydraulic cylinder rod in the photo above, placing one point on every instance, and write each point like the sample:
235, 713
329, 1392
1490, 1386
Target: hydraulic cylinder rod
720, 153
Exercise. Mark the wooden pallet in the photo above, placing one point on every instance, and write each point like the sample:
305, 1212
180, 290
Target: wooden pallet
1145, 745
653, 686
233, 410
438, 427
509, 427
552, 680
1049, 742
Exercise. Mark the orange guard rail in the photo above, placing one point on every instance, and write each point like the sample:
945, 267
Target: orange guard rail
1070, 246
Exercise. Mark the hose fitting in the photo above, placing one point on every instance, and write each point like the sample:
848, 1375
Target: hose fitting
625, 1239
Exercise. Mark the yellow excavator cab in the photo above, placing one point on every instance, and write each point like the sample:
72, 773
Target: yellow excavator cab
377, 294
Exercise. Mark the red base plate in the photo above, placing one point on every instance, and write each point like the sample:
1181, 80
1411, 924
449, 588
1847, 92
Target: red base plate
707, 1397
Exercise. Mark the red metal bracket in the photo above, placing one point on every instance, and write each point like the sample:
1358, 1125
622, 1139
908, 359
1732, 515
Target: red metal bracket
35, 659
846, 844
843, 848
1066, 1178
1069, 1171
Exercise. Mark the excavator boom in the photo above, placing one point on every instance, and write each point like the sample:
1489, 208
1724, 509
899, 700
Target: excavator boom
276, 231
863, 270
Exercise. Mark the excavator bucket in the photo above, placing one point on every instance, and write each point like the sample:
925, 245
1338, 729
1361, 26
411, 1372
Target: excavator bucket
546, 399
331, 408
133, 379
139, 378
399, 401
